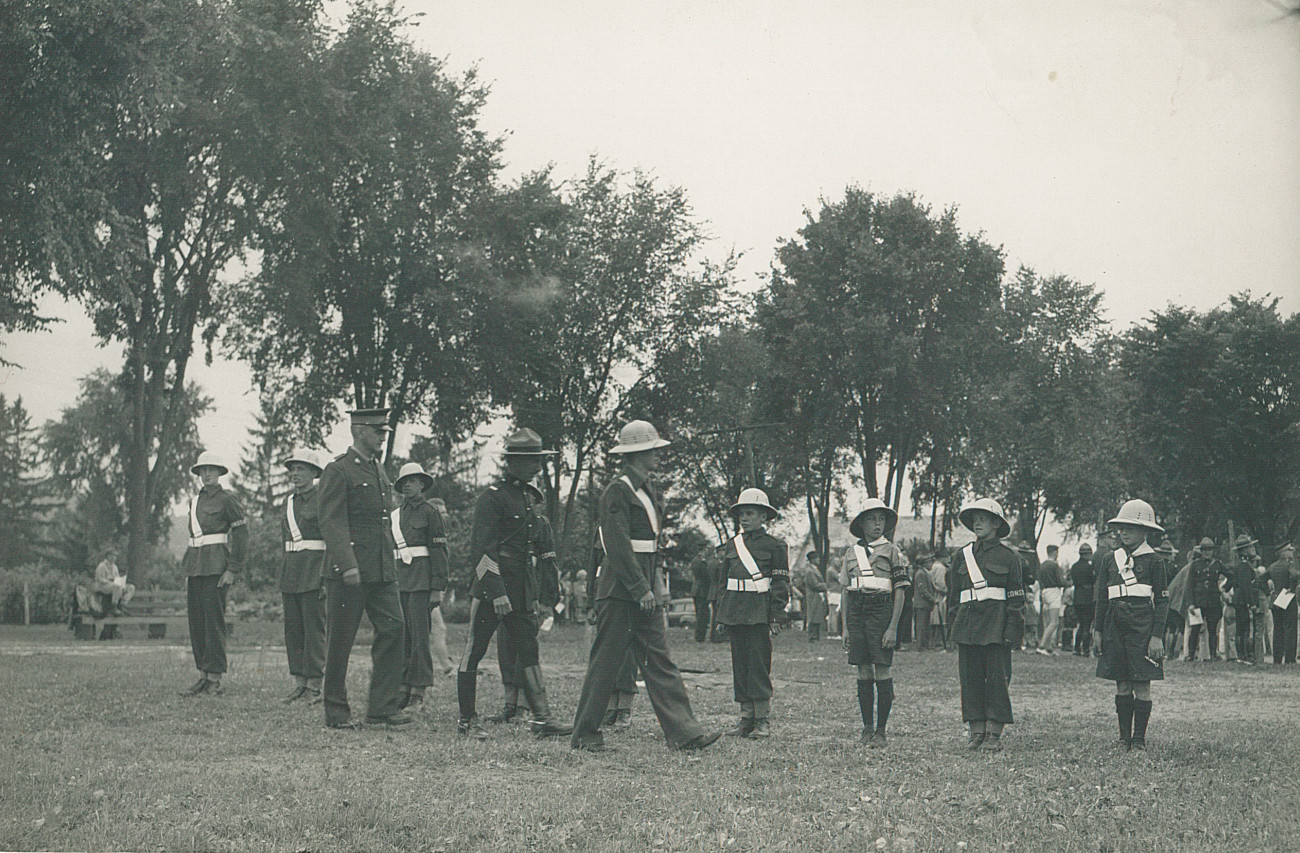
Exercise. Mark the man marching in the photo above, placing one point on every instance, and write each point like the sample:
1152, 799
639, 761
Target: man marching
630, 592
355, 500
509, 550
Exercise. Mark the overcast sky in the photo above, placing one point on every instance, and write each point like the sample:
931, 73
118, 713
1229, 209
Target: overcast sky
1147, 148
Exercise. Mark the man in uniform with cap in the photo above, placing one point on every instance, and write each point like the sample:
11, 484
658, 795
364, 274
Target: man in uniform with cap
355, 500
1283, 579
301, 577
421, 561
1240, 590
1203, 582
509, 551
630, 593
218, 542
702, 593
1083, 577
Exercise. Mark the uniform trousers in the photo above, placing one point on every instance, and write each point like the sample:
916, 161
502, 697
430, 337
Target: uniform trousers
1245, 647
923, 628
622, 625
702, 618
1211, 631
417, 658
1083, 638
1284, 635
984, 672
205, 603
383, 605
518, 635
751, 662
304, 632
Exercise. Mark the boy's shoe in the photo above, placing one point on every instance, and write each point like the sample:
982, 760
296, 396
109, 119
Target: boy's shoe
743, 727
214, 688
313, 697
877, 739
622, 720
470, 728
392, 721
611, 716
549, 728
702, 742
1138, 744
974, 742
593, 747
992, 742
197, 687
761, 730
298, 693
866, 736
345, 725
505, 715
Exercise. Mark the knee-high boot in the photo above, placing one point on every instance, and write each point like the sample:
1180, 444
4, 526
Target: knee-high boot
466, 690
1141, 716
535, 689
866, 704
1124, 710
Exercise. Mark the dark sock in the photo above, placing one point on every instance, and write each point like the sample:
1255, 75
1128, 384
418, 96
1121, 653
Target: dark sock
1141, 716
466, 687
885, 701
1124, 710
865, 703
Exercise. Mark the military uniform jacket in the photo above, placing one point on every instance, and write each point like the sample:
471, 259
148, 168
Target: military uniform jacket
739, 602
629, 538
421, 528
355, 499
886, 561
989, 621
701, 578
1084, 578
1281, 577
1204, 582
304, 551
1148, 568
1241, 586
508, 526
214, 515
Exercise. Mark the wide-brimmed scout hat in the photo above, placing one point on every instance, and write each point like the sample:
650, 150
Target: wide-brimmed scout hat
209, 459
990, 506
371, 417
756, 498
526, 442
1207, 543
306, 457
637, 436
1138, 513
872, 504
1243, 540
1024, 547
413, 469
1167, 547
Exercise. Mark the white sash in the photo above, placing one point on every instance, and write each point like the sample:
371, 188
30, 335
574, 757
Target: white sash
639, 546
866, 576
981, 590
755, 582
197, 537
645, 502
294, 532
297, 543
1128, 585
404, 553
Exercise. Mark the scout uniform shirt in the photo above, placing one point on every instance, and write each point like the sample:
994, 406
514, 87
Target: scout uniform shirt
1203, 579
990, 608
1140, 579
629, 523
421, 555
888, 568
355, 497
218, 534
304, 547
507, 523
754, 587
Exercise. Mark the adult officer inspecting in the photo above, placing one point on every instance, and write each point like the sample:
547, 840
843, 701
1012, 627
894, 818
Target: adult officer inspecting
507, 548
629, 612
355, 500
218, 542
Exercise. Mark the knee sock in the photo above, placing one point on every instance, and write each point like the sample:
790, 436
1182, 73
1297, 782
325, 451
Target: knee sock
466, 690
1124, 707
865, 702
884, 701
1141, 716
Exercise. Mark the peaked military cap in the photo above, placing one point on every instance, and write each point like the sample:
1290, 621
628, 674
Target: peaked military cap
372, 417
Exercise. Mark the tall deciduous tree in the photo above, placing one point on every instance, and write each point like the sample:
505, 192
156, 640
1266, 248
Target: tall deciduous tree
1215, 411
141, 141
362, 293
20, 516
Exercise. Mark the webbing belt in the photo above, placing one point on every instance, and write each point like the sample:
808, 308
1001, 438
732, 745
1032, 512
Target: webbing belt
305, 545
209, 539
1124, 590
747, 585
984, 593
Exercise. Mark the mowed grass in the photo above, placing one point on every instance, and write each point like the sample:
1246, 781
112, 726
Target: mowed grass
99, 753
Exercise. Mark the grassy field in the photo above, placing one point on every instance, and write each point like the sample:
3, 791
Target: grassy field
99, 753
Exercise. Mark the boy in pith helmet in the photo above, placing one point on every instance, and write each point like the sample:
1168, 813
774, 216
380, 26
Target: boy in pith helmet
1131, 604
753, 591
421, 561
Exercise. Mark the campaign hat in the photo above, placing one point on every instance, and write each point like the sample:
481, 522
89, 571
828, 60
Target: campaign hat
990, 506
872, 504
1243, 540
526, 442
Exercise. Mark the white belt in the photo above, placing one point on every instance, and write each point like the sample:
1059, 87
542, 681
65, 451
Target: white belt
747, 585
1123, 590
987, 593
209, 539
872, 582
644, 546
305, 545
411, 551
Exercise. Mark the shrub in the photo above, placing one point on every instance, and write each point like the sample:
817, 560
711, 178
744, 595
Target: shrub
50, 593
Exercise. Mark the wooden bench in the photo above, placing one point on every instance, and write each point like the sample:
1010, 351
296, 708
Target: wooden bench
153, 608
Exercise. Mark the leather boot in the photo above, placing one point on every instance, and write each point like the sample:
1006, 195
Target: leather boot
535, 690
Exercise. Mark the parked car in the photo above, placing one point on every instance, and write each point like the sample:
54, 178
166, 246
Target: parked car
681, 612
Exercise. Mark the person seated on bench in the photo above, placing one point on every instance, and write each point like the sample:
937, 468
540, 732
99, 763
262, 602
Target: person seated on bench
111, 586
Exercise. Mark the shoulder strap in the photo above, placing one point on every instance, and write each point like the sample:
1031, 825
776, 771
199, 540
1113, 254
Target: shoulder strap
645, 502
1125, 566
863, 556
195, 529
972, 568
745, 557
294, 532
396, 518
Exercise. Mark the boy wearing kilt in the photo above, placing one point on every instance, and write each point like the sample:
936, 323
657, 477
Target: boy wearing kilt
987, 593
753, 591
874, 575
1131, 604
